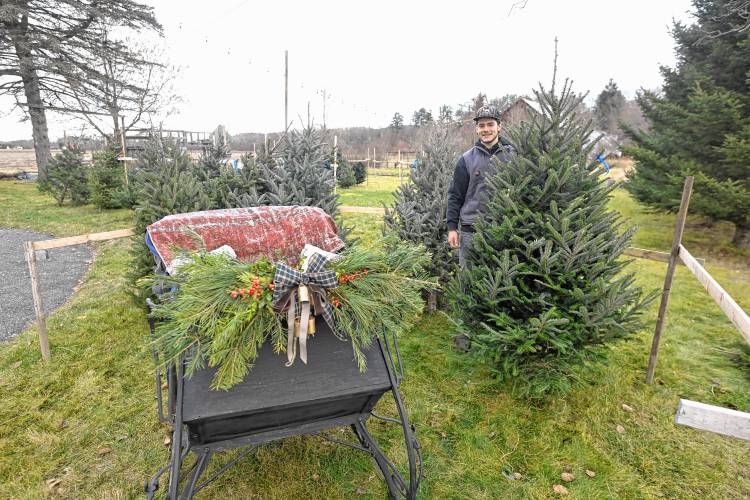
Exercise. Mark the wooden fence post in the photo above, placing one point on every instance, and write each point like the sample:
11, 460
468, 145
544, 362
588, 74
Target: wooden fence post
400, 180
37, 294
676, 242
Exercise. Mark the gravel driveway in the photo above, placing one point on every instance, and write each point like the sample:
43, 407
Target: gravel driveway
58, 275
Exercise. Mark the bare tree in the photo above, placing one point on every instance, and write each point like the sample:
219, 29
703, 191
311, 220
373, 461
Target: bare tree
130, 83
44, 46
736, 13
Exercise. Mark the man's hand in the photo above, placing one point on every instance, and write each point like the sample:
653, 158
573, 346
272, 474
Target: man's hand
453, 239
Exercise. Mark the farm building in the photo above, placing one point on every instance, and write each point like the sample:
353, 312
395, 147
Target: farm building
521, 110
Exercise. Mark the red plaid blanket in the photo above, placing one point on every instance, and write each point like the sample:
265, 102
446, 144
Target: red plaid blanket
279, 233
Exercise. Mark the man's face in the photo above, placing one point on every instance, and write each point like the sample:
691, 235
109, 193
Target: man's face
487, 130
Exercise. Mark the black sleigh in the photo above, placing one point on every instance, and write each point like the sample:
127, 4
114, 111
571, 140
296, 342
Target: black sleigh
275, 402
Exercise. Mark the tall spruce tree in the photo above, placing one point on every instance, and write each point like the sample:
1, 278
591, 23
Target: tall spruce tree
700, 125
297, 173
165, 184
418, 213
224, 185
544, 291
609, 105
107, 179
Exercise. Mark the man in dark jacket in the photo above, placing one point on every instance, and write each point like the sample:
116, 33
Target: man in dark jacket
467, 196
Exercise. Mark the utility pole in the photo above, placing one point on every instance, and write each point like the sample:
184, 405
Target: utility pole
325, 95
335, 160
286, 89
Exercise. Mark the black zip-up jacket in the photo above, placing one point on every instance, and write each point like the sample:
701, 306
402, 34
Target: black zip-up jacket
460, 185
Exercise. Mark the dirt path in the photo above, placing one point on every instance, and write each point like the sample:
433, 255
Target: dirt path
59, 275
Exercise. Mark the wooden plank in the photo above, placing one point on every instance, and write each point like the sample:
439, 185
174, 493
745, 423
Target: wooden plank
36, 292
361, 210
643, 253
713, 418
734, 312
687, 189
83, 238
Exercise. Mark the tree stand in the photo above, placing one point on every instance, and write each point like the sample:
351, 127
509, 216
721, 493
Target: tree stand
275, 402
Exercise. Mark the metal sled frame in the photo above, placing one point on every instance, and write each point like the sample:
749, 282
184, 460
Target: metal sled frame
185, 481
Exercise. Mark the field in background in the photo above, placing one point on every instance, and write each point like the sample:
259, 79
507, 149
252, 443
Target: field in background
15, 161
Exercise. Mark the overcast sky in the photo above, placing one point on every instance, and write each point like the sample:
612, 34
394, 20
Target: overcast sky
374, 59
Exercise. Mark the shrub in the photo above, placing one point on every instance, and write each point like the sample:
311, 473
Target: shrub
345, 174
107, 180
360, 172
66, 178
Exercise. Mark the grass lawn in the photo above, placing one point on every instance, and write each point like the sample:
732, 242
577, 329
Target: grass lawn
375, 192
88, 417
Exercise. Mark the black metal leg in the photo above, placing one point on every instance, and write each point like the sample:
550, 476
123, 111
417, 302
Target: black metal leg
410, 440
372, 446
203, 459
174, 476
412, 447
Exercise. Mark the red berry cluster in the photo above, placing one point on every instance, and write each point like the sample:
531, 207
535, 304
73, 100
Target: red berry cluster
335, 302
256, 289
345, 278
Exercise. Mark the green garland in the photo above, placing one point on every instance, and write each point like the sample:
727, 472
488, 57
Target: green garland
221, 311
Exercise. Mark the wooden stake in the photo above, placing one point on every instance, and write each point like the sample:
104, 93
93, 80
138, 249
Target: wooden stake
400, 180
37, 295
676, 242
335, 164
124, 152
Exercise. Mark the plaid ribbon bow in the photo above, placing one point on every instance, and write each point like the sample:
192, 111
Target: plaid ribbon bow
287, 283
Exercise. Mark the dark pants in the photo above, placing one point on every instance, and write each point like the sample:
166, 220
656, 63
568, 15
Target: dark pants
464, 246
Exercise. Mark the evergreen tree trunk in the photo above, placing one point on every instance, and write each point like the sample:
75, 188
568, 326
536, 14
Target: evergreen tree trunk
741, 237
33, 99
432, 301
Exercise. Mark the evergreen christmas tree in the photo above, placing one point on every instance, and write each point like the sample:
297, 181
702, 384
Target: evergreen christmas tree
67, 178
544, 291
165, 184
700, 123
418, 213
240, 185
296, 174
345, 172
360, 172
224, 185
212, 162
609, 105
107, 179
